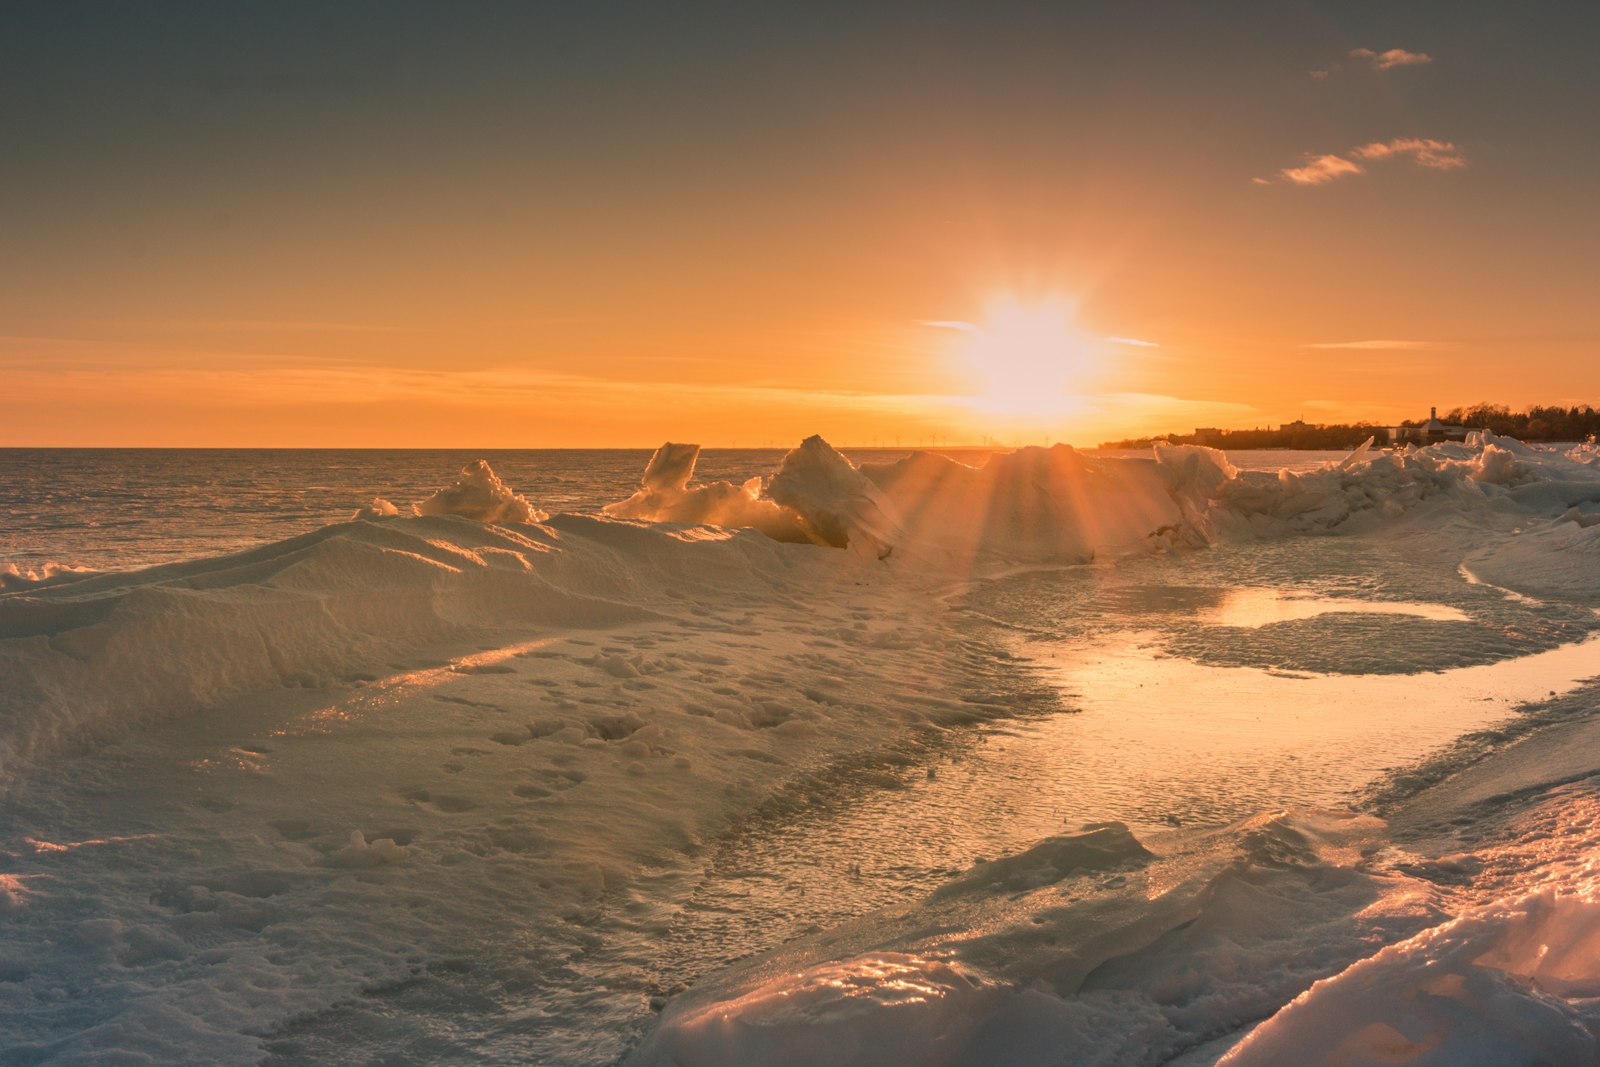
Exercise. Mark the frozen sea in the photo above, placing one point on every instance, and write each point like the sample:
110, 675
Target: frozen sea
1070, 758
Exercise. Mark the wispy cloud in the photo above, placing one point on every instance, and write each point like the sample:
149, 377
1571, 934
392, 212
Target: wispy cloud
1388, 60
1319, 170
1423, 151
257, 325
1134, 341
1385, 343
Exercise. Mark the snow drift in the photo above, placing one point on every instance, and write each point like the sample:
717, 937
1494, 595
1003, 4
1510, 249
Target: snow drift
1059, 505
664, 496
1033, 505
477, 494
1093, 949
1513, 982
101, 654
1090, 948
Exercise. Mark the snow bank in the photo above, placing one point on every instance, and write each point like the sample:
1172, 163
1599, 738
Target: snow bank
97, 655
1032, 505
1091, 948
477, 494
834, 502
1481, 476
1513, 977
378, 509
1553, 559
1051, 505
664, 496
1058, 505
870, 1009
480, 494
1511, 983
1123, 955
15, 576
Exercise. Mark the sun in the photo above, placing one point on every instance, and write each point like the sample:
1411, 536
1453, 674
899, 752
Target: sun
1022, 359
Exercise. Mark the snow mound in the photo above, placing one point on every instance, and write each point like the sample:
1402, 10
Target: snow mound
1511, 983
1059, 505
480, 494
1099, 847
97, 655
664, 496
1052, 504
1480, 476
1089, 948
14, 576
378, 509
855, 1011
1033, 505
836, 504
1553, 559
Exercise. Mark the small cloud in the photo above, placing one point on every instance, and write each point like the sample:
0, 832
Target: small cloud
1134, 341
1381, 343
1394, 57
1424, 151
1320, 74
951, 324
1320, 170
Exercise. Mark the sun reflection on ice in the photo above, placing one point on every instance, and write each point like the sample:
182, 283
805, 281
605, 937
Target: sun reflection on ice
1253, 607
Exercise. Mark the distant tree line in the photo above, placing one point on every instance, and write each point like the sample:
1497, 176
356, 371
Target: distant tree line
1344, 435
1552, 423
1539, 423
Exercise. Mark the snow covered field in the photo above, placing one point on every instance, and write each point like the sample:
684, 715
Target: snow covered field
1067, 759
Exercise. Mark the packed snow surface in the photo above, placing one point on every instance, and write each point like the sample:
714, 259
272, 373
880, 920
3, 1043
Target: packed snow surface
462, 781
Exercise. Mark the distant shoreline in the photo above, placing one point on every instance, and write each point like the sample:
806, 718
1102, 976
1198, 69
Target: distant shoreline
1540, 424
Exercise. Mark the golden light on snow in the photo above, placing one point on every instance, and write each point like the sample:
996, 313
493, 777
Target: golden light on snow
1023, 358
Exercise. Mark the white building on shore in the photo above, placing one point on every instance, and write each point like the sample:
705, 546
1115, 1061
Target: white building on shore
1429, 433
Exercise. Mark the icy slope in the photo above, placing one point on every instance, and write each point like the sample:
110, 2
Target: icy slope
1090, 948
97, 656
1466, 933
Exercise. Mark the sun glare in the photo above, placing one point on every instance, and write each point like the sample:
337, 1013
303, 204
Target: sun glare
1022, 359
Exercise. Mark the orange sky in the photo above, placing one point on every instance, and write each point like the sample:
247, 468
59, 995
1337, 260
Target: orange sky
486, 227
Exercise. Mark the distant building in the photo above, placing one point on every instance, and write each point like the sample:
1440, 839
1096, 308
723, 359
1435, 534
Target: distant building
1206, 434
1429, 433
